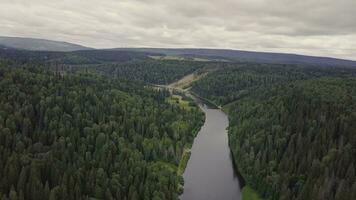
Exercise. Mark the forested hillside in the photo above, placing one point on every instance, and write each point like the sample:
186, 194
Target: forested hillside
128, 65
297, 141
51, 58
39, 44
233, 81
82, 136
247, 56
151, 71
292, 130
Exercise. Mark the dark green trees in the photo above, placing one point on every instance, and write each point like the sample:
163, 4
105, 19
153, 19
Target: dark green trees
292, 129
233, 81
150, 70
297, 141
82, 136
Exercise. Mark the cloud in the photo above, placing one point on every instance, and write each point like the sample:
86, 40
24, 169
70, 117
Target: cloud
314, 27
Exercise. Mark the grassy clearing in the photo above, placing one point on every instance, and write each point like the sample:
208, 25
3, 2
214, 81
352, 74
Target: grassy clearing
167, 57
178, 100
181, 58
250, 194
183, 162
181, 168
187, 80
201, 59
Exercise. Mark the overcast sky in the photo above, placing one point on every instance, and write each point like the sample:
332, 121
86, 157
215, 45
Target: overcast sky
313, 27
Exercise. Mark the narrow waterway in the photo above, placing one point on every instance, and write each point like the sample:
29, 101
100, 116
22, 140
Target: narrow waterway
210, 171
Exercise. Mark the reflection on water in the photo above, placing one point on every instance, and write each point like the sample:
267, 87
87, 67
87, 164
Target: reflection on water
210, 172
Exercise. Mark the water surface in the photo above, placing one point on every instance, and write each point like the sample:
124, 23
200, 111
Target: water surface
210, 173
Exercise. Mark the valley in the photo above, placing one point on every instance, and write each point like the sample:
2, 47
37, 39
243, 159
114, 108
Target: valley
178, 100
126, 125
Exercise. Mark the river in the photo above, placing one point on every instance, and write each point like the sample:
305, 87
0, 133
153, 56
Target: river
210, 173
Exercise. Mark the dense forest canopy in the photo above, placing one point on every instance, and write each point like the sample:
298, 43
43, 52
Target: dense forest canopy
151, 70
82, 136
297, 141
292, 130
122, 64
232, 81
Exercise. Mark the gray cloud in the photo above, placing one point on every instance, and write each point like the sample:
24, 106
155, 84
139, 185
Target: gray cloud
315, 27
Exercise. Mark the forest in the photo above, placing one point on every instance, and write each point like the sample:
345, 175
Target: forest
234, 80
292, 130
84, 136
121, 64
150, 70
297, 141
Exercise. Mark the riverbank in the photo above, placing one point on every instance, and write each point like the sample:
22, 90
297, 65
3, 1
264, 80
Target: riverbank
248, 193
183, 162
207, 166
185, 102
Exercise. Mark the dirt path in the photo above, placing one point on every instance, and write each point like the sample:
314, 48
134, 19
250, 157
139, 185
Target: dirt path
183, 85
185, 82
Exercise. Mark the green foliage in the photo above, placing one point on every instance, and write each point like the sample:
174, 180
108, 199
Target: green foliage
296, 141
83, 136
292, 130
151, 71
184, 161
249, 194
234, 81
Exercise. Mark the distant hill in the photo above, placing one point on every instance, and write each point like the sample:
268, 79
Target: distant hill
2, 47
38, 44
72, 57
236, 55
11, 43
